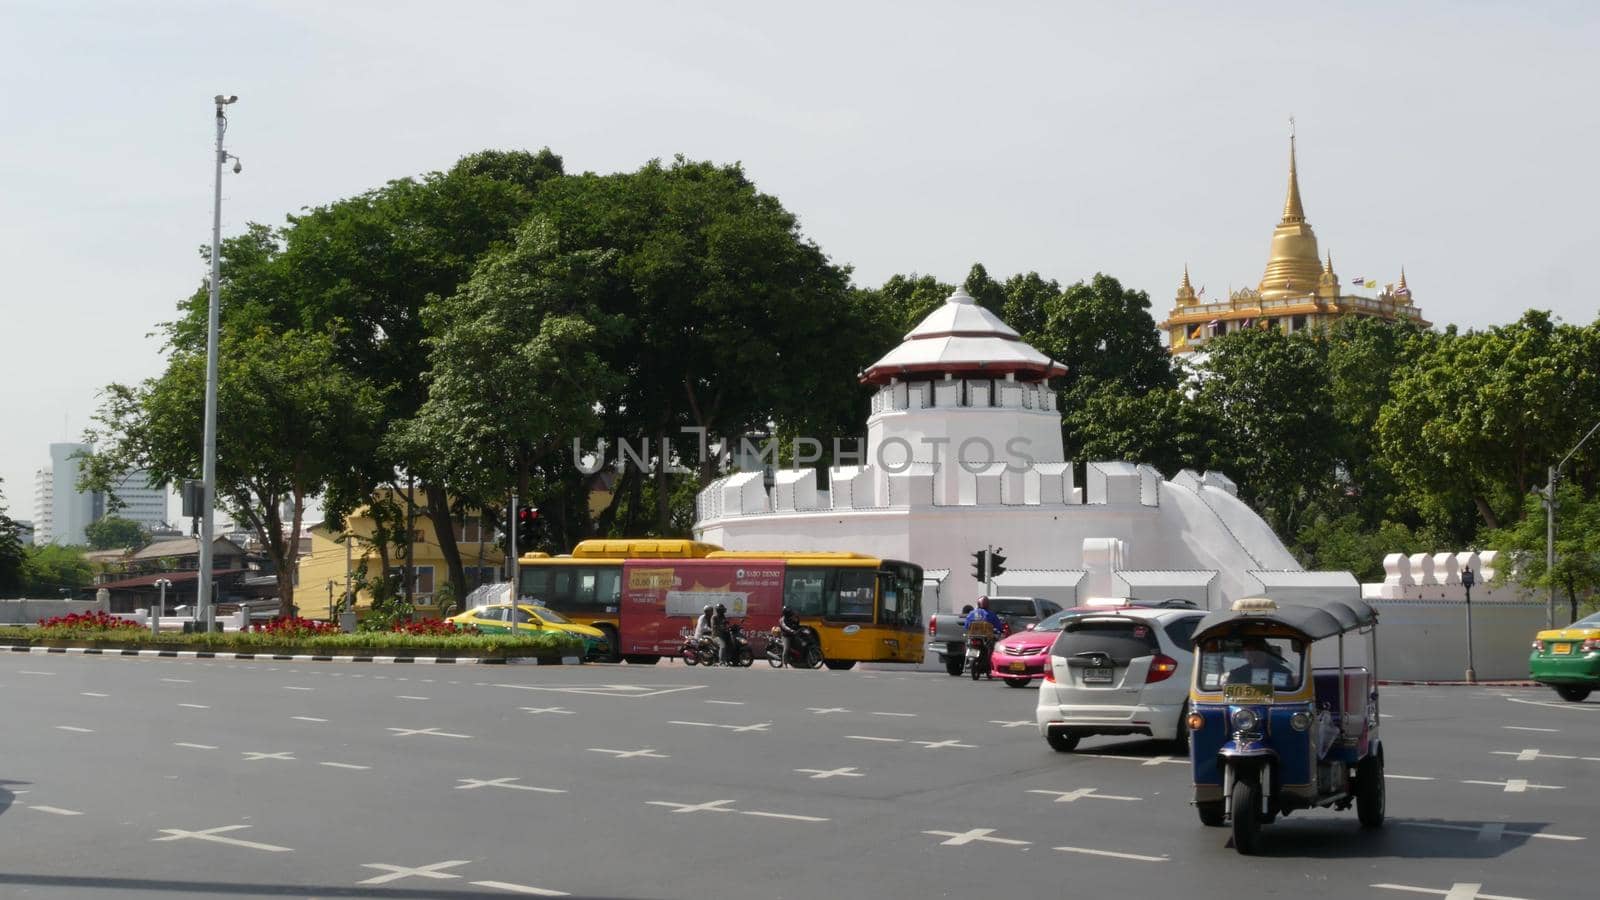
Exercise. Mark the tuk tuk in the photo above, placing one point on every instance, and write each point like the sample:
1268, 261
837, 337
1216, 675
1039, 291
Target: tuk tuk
1284, 714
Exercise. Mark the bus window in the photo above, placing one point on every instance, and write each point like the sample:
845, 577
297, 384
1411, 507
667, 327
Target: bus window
608, 588
803, 590
560, 594
851, 599
535, 585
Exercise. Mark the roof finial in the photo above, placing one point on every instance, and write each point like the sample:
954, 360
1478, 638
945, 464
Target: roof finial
1403, 278
1292, 210
1329, 268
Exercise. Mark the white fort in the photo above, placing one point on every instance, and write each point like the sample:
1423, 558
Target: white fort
964, 452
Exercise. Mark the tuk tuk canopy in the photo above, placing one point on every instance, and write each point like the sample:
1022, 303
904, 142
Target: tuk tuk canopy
1316, 620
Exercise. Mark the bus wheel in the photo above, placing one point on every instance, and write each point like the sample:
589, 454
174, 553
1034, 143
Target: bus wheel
614, 641
641, 659
839, 665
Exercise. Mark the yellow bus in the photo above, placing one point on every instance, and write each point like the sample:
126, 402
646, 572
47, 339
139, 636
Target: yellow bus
643, 592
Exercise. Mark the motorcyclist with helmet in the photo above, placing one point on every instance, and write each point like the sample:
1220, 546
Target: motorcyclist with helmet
985, 635
723, 634
792, 633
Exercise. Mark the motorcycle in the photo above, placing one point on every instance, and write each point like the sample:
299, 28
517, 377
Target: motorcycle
807, 653
697, 651
980, 649
743, 656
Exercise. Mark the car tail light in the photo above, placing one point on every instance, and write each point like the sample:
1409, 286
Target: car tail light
931, 628
1538, 646
1161, 668
1049, 673
1591, 645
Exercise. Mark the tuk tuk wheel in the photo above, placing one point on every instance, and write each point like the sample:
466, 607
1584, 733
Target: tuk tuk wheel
1573, 693
1061, 741
1212, 813
1246, 814
1370, 791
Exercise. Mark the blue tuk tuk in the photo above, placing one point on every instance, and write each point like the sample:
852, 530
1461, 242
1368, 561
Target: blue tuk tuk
1284, 714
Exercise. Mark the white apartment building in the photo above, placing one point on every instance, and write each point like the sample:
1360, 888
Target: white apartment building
61, 512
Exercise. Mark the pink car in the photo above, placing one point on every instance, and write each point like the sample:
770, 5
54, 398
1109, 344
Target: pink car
1025, 655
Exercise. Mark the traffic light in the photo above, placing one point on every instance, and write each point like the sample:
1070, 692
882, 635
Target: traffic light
997, 563
980, 561
527, 527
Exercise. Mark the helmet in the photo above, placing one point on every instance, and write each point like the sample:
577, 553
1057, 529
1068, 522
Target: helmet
983, 602
722, 609
707, 610
788, 612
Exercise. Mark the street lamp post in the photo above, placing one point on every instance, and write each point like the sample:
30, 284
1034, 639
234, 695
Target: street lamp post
204, 612
1548, 493
1467, 581
161, 606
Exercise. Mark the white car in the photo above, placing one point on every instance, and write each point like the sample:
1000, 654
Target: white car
1119, 670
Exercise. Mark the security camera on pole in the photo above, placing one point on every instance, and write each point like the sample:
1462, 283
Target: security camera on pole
205, 614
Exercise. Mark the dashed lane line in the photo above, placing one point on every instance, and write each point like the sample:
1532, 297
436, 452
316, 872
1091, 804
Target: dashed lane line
1491, 831
56, 810
1458, 891
1112, 853
340, 765
307, 719
409, 697
193, 746
1526, 728
93, 694
194, 706
520, 889
75, 729
1518, 785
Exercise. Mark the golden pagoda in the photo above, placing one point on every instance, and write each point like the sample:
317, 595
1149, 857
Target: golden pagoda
1298, 290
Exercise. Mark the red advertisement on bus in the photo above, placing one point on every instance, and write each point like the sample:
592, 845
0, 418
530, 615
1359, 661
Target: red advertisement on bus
661, 597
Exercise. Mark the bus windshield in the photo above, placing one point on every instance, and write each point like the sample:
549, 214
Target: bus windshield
900, 592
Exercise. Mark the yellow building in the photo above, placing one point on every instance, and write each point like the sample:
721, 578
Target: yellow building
1298, 290
320, 575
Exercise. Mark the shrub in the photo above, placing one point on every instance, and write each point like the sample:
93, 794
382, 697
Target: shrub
90, 621
294, 627
432, 627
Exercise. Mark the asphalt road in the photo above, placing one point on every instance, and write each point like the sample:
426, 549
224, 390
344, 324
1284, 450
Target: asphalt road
170, 778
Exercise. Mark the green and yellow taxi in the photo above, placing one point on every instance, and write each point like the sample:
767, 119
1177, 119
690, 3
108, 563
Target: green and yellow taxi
1568, 659
495, 618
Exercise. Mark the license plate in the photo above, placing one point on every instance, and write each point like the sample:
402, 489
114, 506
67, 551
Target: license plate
1097, 676
1019, 667
1562, 649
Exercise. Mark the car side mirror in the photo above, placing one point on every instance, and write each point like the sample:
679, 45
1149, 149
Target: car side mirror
1029, 626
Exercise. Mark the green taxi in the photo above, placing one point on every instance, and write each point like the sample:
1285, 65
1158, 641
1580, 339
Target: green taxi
495, 618
1568, 659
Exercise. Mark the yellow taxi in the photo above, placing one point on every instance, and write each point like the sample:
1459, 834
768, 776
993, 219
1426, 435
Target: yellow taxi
496, 618
1568, 659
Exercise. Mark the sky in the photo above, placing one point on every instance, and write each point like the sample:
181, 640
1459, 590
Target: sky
1454, 139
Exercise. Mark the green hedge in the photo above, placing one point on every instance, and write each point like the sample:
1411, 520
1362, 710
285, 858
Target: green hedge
543, 644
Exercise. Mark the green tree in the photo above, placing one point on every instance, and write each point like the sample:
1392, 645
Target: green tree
1269, 412
12, 553
1347, 542
1476, 419
53, 570
115, 532
1577, 570
1105, 420
289, 416
1100, 330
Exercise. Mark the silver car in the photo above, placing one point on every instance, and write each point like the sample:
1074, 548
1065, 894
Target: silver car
1119, 670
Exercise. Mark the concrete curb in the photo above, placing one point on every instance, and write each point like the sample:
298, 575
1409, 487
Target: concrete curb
300, 657
1466, 683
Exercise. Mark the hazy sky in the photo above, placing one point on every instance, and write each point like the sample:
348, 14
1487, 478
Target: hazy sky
1454, 139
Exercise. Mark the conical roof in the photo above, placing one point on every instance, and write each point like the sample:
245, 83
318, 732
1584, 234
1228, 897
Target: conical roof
962, 338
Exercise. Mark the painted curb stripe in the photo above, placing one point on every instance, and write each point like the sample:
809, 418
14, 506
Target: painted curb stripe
246, 657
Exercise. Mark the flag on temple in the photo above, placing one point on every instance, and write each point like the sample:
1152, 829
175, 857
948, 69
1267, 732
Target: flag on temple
1372, 284
1202, 291
1195, 334
1358, 280
1249, 322
1403, 292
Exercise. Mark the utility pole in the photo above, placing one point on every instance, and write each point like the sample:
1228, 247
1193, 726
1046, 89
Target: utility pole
204, 607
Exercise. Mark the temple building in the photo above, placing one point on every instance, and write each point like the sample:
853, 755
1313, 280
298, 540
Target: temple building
1298, 290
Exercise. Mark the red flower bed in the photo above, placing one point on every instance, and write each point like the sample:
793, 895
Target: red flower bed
433, 627
92, 620
294, 626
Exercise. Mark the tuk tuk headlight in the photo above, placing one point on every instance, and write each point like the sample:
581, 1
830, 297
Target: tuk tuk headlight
1245, 720
1300, 721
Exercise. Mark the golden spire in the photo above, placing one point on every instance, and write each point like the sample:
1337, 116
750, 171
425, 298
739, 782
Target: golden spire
1403, 278
1328, 269
1186, 296
1292, 210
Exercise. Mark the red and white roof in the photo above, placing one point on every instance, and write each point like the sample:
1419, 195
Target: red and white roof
963, 338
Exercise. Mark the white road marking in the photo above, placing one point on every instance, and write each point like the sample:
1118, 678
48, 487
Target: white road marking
1517, 785
535, 710
863, 737
1481, 830
93, 694
961, 838
759, 726
56, 810
1112, 853
1409, 777
1531, 754
406, 732
900, 715
1080, 793
773, 815
648, 752
847, 772
727, 702
1525, 728
291, 687
1016, 723
713, 806
177, 680
824, 710
31, 672
194, 746
405, 697
75, 728
600, 690
1580, 707
339, 765
432, 870
1152, 761
520, 889
948, 742
468, 784
214, 836
1458, 891
194, 706
252, 756
307, 719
